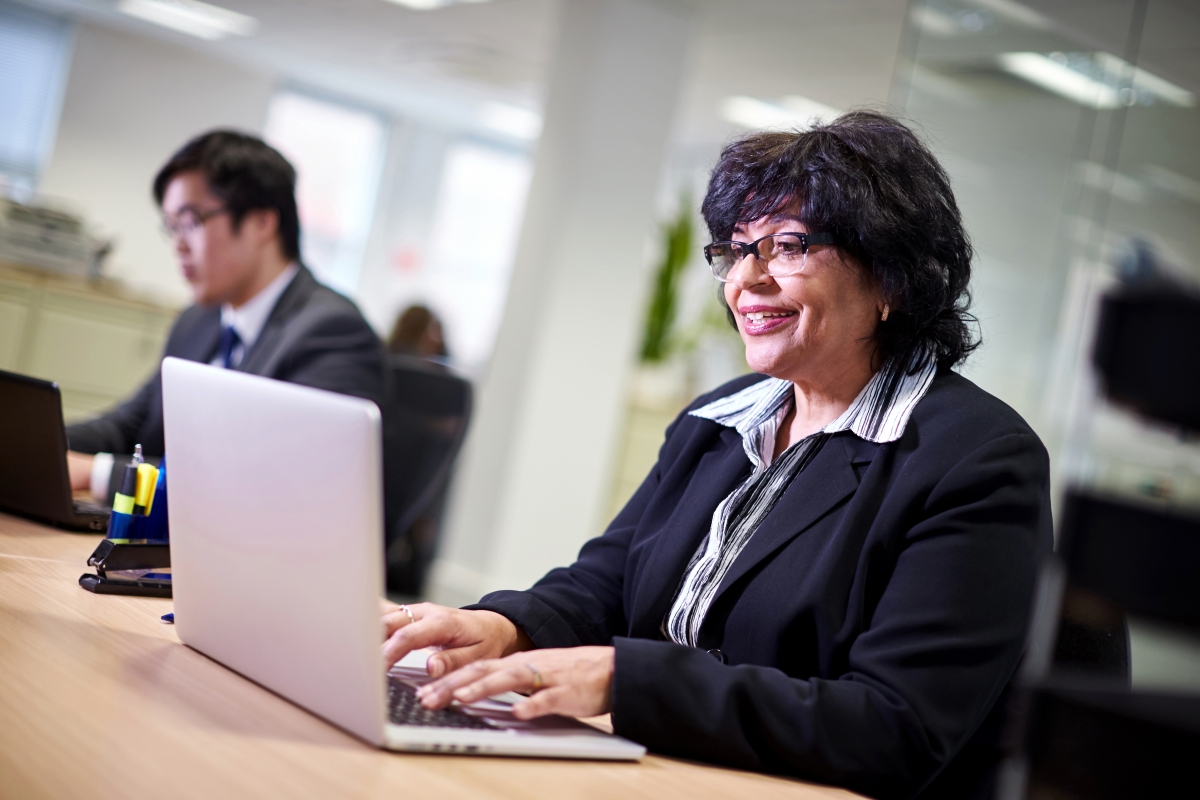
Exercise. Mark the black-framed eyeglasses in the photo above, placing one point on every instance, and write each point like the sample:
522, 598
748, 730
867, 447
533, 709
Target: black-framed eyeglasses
782, 254
189, 221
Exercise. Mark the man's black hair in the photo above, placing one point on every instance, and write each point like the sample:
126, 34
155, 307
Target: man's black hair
246, 173
869, 180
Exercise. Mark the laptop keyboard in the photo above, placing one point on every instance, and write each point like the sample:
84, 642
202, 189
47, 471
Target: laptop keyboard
405, 709
84, 507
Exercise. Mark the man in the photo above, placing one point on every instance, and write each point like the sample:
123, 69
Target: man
229, 205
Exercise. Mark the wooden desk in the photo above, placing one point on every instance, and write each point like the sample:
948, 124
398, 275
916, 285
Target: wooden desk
99, 699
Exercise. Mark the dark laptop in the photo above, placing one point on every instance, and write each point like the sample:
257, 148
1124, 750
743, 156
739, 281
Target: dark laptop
33, 457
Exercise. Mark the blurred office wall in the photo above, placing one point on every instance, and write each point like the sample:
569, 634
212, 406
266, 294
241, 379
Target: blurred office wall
534, 474
446, 118
1069, 131
130, 103
445, 230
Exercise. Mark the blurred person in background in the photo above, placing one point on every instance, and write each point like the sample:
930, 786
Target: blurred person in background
228, 204
418, 332
830, 570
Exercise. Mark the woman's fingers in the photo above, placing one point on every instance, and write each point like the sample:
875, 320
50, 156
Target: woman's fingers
574, 681
394, 621
448, 660
461, 636
432, 631
397, 616
503, 677
555, 700
440, 692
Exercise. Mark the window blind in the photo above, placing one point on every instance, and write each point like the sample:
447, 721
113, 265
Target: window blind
34, 54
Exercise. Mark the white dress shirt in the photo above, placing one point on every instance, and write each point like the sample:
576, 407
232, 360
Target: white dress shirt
250, 318
879, 414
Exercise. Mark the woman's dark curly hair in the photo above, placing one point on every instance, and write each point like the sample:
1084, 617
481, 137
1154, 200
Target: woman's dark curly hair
870, 181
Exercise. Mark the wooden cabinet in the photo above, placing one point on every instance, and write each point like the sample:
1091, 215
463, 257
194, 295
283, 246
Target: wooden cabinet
92, 338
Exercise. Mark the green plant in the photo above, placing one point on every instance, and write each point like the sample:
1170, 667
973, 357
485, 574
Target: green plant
660, 312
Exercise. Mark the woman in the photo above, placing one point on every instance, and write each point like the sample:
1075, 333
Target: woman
418, 332
829, 571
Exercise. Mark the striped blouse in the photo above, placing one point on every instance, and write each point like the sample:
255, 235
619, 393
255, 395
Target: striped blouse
879, 414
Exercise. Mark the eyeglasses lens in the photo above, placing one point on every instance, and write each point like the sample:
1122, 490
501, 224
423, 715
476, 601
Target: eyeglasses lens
781, 254
184, 225
784, 253
721, 257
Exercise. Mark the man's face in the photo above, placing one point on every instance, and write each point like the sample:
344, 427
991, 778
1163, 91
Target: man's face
218, 263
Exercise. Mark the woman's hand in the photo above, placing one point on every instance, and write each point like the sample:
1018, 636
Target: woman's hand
574, 681
463, 636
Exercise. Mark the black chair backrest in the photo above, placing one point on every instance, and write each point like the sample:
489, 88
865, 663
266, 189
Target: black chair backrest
1103, 745
1145, 352
1143, 558
425, 421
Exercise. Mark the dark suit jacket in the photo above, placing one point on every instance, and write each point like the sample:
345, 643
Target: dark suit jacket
314, 336
868, 628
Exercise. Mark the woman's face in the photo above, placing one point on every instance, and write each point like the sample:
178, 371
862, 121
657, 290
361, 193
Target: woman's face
812, 327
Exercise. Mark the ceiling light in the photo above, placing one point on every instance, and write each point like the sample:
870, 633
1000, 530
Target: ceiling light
514, 121
429, 5
192, 17
1014, 12
792, 111
1144, 81
935, 22
1055, 76
1096, 80
810, 110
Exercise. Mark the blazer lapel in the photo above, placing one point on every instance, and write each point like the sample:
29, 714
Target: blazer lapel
202, 344
827, 480
718, 472
258, 360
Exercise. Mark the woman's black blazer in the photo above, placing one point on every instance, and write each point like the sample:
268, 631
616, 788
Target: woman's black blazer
869, 627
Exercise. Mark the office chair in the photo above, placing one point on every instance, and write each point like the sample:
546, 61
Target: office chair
427, 409
1077, 730
1146, 354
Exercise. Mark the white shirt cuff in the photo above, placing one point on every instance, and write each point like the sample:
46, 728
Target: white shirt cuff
102, 465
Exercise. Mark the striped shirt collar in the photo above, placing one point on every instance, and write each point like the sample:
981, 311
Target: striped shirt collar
879, 414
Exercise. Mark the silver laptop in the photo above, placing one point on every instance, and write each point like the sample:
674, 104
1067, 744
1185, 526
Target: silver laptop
276, 520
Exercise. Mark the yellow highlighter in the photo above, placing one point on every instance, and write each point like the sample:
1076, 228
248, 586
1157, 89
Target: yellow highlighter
147, 480
124, 500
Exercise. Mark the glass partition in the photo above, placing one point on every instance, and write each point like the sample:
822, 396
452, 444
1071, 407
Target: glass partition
1068, 136
1070, 133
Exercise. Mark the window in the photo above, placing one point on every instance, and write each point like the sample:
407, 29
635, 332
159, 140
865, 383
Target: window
338, 155
472, 243
34, 54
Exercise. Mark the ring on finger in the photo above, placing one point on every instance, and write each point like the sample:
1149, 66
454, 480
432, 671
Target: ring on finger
407, 610
538, 685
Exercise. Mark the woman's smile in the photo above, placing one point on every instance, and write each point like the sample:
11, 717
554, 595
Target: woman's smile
759, 319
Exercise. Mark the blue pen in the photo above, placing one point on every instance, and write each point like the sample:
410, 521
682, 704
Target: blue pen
169, 618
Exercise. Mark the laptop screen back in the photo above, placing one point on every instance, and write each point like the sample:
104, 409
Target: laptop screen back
33, 446
276, 518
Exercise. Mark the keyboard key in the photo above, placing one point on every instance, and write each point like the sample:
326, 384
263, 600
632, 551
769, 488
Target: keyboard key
405, 709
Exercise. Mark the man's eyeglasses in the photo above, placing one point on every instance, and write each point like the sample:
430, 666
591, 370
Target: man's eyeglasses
189, 221
782, 254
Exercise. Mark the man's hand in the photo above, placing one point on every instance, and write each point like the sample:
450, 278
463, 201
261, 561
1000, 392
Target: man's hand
463, 636
574, 681
79, 465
